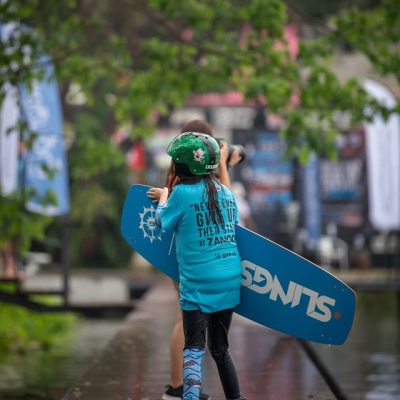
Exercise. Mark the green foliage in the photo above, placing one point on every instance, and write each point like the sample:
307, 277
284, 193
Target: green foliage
374, 33
382, 303
154, 54
22, 330
318, 9
18, 225
98, 187
149, 56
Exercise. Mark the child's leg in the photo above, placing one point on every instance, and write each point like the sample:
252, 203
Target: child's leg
192, 360
9, 260
218, 330
194, 327
176, 350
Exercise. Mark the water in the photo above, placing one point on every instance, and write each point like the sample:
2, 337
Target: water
367, 365
47, 375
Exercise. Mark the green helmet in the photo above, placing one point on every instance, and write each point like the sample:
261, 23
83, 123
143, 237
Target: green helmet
198, 151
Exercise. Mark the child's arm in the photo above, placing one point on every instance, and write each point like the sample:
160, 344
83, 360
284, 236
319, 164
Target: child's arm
222, 171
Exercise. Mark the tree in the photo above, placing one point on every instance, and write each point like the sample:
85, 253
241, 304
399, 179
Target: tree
321, 11
374, 33
153, 54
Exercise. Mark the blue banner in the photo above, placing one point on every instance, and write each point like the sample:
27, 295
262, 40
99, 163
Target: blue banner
41, 109
268, 178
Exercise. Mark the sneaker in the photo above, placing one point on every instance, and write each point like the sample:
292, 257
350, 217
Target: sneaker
176, 394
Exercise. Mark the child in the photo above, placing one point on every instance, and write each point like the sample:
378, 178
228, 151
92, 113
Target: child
174, 389
203, 214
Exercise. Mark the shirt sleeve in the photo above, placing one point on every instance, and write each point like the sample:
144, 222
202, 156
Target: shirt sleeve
158, 212
169, 214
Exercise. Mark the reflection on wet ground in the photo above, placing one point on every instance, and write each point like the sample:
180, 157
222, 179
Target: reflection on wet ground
47, 375
270, 365
367, 365
135, 365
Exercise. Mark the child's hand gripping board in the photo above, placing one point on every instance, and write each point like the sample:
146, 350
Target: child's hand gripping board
280, 289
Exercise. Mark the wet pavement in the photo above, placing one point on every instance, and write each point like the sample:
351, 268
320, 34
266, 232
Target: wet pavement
39, 374
135, 364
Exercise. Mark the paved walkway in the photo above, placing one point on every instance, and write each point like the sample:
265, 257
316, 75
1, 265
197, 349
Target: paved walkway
135, 364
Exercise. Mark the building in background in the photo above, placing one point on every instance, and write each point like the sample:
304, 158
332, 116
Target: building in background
291, 204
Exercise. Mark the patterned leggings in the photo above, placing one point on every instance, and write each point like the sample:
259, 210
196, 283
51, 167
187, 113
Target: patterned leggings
195, 326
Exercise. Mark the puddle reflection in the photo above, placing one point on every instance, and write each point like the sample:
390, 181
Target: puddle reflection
367, 365
47, 375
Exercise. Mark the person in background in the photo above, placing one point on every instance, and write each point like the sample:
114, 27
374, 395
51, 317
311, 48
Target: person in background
209, 268
9, 260
174, 389
9, 251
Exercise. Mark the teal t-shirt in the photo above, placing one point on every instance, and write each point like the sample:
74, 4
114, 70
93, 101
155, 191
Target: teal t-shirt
209, 260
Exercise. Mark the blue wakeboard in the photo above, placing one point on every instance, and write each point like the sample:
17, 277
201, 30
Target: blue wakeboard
280, 289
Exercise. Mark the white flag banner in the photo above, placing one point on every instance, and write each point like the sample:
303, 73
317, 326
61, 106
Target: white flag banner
9, 142
383, 162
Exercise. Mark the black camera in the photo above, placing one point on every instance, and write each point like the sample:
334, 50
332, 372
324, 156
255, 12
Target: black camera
232, 148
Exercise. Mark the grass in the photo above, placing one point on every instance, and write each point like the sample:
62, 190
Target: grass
22, 329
